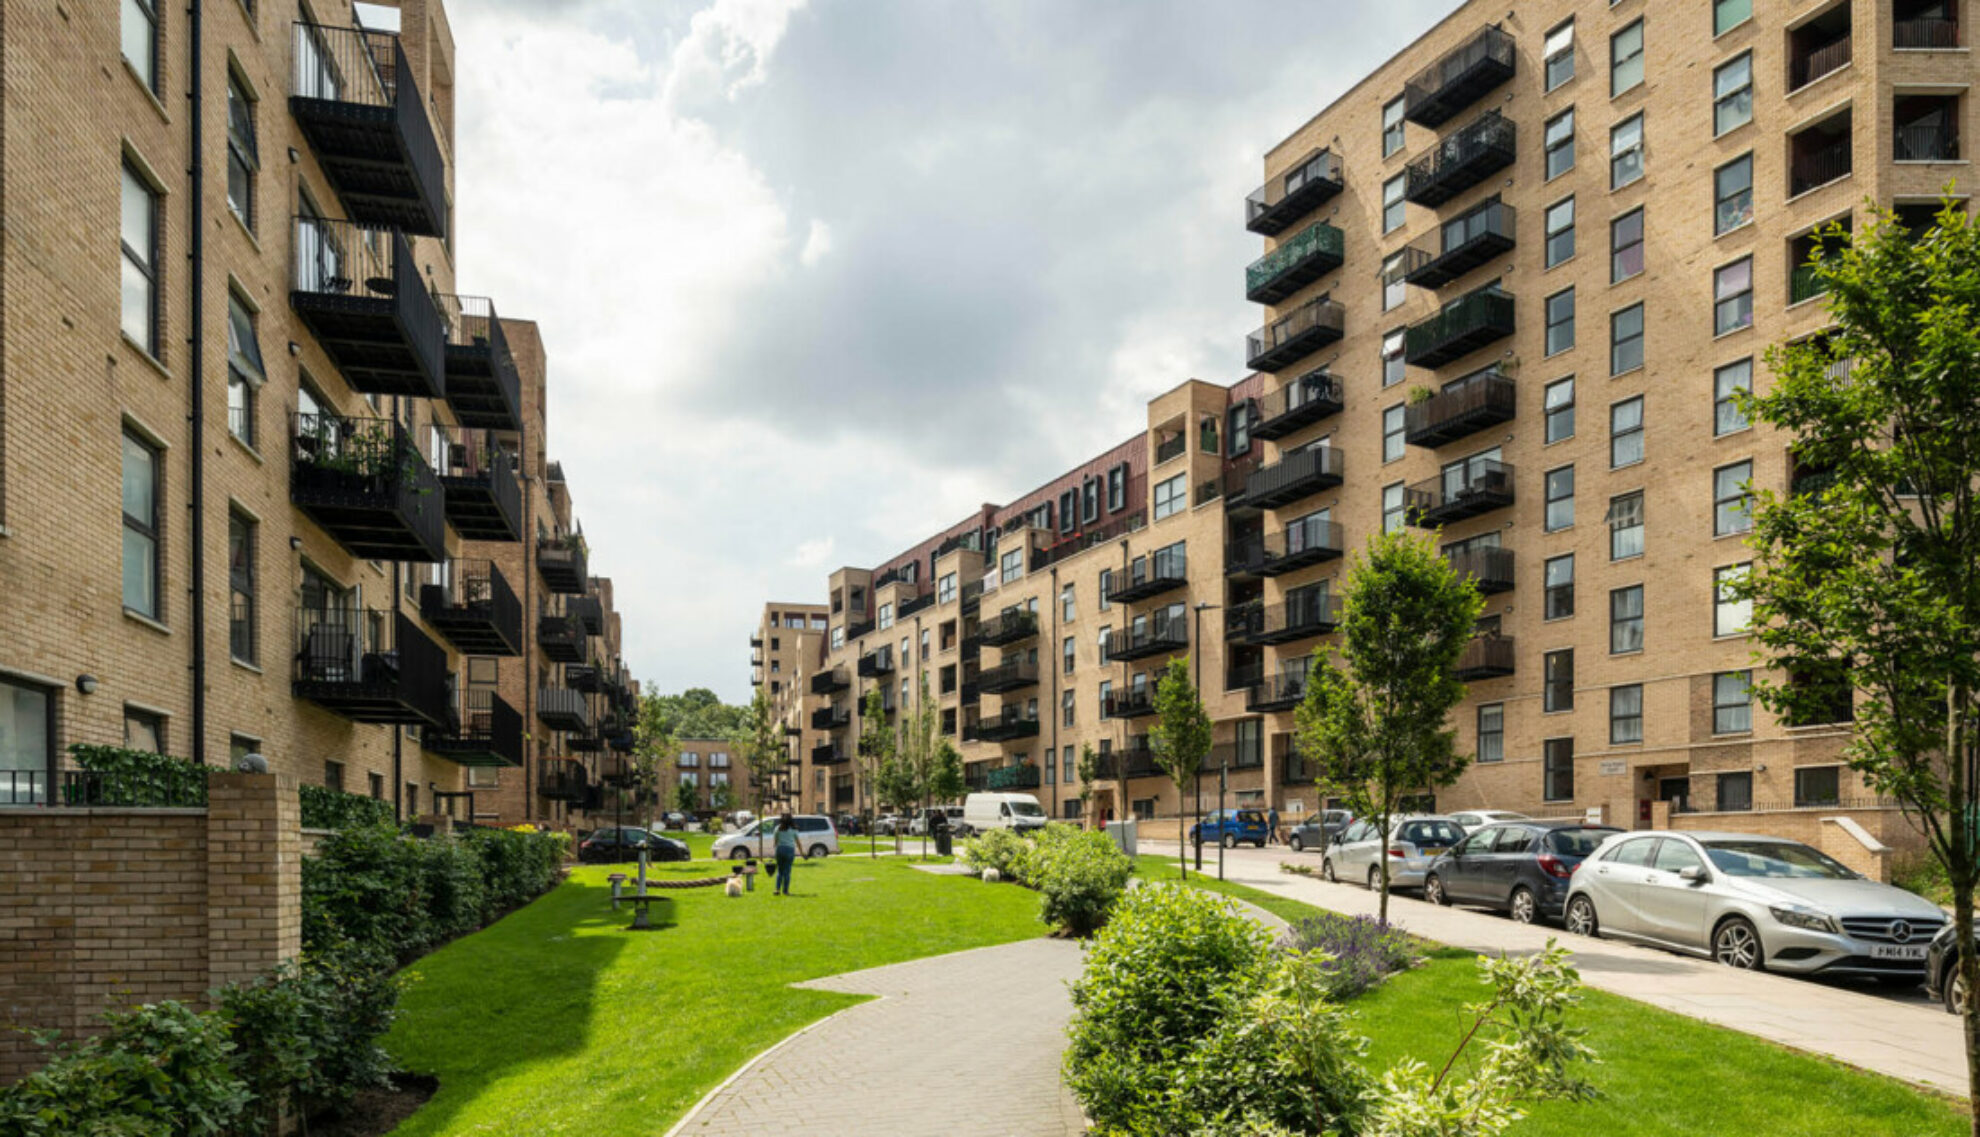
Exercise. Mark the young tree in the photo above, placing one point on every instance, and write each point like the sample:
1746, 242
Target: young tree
1377, 727
761, 744
918, 743
945, 779
1180, 739
721, 797
1866, 589
898, 790
876, 749
1089, 772
687, 798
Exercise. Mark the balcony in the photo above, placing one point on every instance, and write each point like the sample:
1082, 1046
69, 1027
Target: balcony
484, 731
1152, 638
1485, 657
1022, 777
1463, 244
859, 628
583, 677
1299, 404
1010, 726
483, 386
1304, 543
1459, 78
484, 498
1466, 158
590, 742
830, 681
1821, 154
1171, 448
475, 609
1297, 262
874, 664
1149, 577
1012, 625
1129, 704
1468, 323
561, 563
1463, 408
1295, 769
831, 718
369, 666
1233, 757
1301, 332
1819, 47
972, 596
1927, 129
1013, 676
562, 779
1280, 692
1273, 207
971, 694
826, 754
1924, 25
561, 638
356, 101
364, 482
1137, 760
1302, 617
362, 296
1298, 475
913, 602
1489, 567
1467, 490
590, 612
562, 709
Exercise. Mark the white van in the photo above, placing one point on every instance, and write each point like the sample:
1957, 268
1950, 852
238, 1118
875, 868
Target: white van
983, 812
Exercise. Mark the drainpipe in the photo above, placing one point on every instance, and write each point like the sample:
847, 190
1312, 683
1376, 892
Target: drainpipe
398, 732
196, 490
1054, 667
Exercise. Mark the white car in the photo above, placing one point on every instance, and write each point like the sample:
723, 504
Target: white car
816, 838
1477, 818
957, 826
1413, 843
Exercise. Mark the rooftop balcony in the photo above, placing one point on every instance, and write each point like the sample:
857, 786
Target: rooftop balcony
1129, 703
1302, 617
830, 681
1280, 692
355, 100
1491, 569
1485, 657
484, 497
1298, 475
483, 731
475, 609
1023, 777
1273, 207
561, 563
360, 293
1153, 638
364, 482
1460, 78
369, 666
1012, 625
561, 638
1461, 160
1462, 244
827, 754
1013, 676
1468, 490
560, 708
1297, 262
1010, 726
1474, 320
1148, 577
831, 718
1463, 408
1296, 335
1306, 400
562, 779
483, 386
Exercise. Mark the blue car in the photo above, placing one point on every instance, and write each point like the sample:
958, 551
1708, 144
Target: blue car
1228, 827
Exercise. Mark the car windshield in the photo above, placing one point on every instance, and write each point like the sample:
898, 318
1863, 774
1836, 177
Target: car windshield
1026, 809
1577, 842
1428, 833
1774, 858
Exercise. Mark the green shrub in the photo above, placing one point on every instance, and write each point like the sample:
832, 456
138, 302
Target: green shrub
307, 1036
137, 778
1081, 875
325, 808
1355, 953
160, 1070
1000, 849
1041, 844
1284, 1060
518, 865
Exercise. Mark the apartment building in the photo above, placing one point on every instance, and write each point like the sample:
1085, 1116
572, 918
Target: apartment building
705, 763
788, 637
1673, 163
229, 304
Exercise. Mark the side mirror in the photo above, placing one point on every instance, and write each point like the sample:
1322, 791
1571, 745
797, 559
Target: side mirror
1693, 874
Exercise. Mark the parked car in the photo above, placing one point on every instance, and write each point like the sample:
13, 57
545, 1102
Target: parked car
984, 812
816, 838
676, 821
1942, 978
1228, 827
1319, 831
615, 845
1474, 818
849, 824
926, 817
1752, 902
1518, 867
1412, 844
886, 825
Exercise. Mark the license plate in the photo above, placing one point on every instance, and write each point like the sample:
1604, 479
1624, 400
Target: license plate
1429, 850
1915, 952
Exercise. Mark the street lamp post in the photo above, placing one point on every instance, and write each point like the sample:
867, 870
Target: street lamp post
1196, 650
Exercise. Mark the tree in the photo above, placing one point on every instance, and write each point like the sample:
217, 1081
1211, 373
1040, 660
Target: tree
1180, 739
919, 739
687, 798
876, 749
897, 789
1865, 591
1376, 728
1089, 772
721, 797
945, 779
761, 744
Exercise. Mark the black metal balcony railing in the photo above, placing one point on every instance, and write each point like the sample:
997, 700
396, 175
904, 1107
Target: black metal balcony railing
1814, 166
1013, 676
1924, 32
971, 694
1273, 207
1010, 626
483, 386
562, 779
1490, 568
874, 664
1148, 577
475, 609
369, 666
1299, 404
483, 731
1474, 488
1306, 542
1091, 535
560, 708
829, 681
1465, 158
484, 497
561, 563
1299, 333
1473, 321
590, 611
1010, 726
361, 294
1814, 63
1462, 409
826, 754
1460, 77
859, 628
1297, 262
972, 595
1128, 704
1280, 692
1137, 760
1295, 768
916, 600
1165, 635
1925, 142
1462, 244
583, 677
831, 718
1171, 448
364, 482
1241, 620
1303, 616
1486, 657
359, 106
1296, 476
561, 638
1022, 777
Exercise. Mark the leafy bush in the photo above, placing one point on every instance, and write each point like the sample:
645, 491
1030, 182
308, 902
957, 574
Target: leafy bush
325, 808
1081, 875
1353, 953
160, 1070
137, 778
1000, 849
518, 865
307, 1036
1925, 875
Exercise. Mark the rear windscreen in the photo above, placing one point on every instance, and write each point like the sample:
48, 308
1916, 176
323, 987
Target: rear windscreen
1577, 842
1429, 833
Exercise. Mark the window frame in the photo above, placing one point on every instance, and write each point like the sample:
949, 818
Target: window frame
1551, 484
146, 262
1497, 734
1396, 433
1740, 611
1550, 325
1618, 251
1178, 499
1640, 527
1557, 774
1744, 217
1397, 513
1551, 589
1627, 629
243, 588
1399, 206
1722, 97
1718, 6
1551, 53
1394, 131
1557, 689
148, 70
1721, 298
150, 530
243, 147
1551, 413
1635, 433
1393, 356
1623, 66
1722, 525
1621, 360
1620, 153
1722, 402
1550, 233
1742, 707
1625, 721
1552, 146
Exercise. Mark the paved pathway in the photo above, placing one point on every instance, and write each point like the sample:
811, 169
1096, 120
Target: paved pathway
1909, 1039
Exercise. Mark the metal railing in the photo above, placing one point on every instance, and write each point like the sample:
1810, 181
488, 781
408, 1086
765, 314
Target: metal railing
1317, 394
1487, 656
1097, 535
1315, 249
131, 789
23, 787
1314, 179
475, 586
1312, 323
1486, 143
1488, 396
1023, 777
1460, 244
1491, 567
1924, 32
1007, 677
471, 455
1428, 95
1812, 65
562, 709
1475, 318
1171, 448
1292, 476
350, 646
1814, 167
1477, 478
1925, 142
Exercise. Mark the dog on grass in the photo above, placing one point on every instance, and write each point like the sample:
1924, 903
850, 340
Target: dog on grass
734, 885
992, 876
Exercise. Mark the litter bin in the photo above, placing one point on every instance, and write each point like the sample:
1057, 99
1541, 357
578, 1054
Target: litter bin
945, 844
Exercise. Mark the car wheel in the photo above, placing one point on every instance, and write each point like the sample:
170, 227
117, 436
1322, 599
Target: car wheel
1433, 891
1374, 878
738, 854
1524, 907
1230, 841
1327, 871
1736, 944
1581, 917
817, 852
1293, 844
1955, 988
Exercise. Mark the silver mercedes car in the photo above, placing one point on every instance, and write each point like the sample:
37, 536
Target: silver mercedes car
1751, 902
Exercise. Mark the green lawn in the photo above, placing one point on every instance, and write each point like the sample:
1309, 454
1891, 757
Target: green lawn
557, 1020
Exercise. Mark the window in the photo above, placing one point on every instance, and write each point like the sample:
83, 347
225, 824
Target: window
1393, 366
1626, 246
1395, 289
1392, 126
1818, 785
143, 730
1731, 614
1732, 703
1626, 433
1625, 714
27, 743
1066, 707
1392, 433
1558, 403
1069, 653
1626, 526
838, 638
1240, 435
1560, 231
1106, 586
1560, 587
1727, 382
1732, 93
1560, 321
1559, 775
1626, 339
1011, 567
1492, 732
1626, 620
1392, 508
1557, 55
1729, 14
885, 619
244, 370
1560, 498
139, 229
1626, 152
1732, 297
945, 588
1732, 194
1171, 497
1626, 59
1051, 766
242, 161
140, 40
140, 526
1729, 512
1559, 143
1069, 508
1735, 792
1557, 681
1066, 606
1394, 209
1117, 489
242, 606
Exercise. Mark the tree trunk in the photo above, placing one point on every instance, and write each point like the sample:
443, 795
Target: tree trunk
1182, 834
1382, 859
1969, 970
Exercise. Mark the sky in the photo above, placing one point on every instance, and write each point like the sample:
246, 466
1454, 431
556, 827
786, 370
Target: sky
819, 277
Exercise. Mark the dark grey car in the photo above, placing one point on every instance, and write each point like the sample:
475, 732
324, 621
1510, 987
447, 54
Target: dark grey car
1518, 867
1319, 831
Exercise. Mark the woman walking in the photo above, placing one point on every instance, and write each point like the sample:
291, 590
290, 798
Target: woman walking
787, 848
